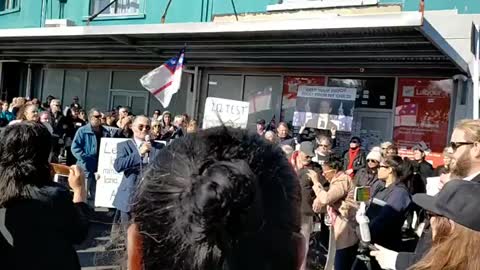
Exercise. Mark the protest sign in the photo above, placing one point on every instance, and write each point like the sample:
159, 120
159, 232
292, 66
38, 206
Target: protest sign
219, 111
325, 107
433, 185
109, 179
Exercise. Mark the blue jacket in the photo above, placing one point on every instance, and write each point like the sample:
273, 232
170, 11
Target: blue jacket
7, 115
84, 148
131, 164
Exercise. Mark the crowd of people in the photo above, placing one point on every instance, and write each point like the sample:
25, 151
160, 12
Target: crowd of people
226, 198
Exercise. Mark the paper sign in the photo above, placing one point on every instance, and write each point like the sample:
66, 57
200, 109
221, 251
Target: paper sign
324, 107
109, 179
433, 185
219, 111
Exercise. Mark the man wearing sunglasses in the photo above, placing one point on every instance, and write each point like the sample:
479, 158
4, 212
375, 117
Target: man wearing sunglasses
86, 148
132, 157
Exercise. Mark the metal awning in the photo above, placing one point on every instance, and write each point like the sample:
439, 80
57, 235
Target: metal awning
388, 41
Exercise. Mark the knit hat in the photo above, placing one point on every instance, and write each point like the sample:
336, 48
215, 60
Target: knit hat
375, 156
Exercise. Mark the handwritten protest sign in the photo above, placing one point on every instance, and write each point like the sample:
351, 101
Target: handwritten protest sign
109, 179
325, 107
228, 112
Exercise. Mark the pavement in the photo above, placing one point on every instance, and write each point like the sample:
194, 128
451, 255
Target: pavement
94, 253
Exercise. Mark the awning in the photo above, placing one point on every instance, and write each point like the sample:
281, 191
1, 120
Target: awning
386, 42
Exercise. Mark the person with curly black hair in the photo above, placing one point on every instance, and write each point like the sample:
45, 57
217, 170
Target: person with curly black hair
218, 199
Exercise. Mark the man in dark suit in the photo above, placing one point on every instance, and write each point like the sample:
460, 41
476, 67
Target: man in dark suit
132, 157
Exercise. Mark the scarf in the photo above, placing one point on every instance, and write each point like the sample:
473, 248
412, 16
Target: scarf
352, 154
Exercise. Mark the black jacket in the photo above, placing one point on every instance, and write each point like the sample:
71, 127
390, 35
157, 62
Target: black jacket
44, 229
424, 169
307, 188
366, 177
359, 162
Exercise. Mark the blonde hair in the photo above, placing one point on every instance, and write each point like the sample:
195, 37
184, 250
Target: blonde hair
192, 126
452, 248
471, 128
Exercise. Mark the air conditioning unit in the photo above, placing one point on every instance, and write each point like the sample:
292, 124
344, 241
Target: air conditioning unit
59, 23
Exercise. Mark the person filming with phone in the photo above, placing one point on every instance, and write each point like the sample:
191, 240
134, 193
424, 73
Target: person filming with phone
40, 221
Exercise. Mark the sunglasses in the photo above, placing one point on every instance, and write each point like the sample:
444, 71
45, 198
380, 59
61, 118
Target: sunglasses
456, 145
357, 142
372, 160
141, 127
97, 116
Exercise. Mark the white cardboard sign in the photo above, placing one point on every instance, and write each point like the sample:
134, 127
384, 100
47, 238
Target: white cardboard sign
228, 112
108, 179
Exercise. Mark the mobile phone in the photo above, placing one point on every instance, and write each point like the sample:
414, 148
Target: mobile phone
362, 194
60, 169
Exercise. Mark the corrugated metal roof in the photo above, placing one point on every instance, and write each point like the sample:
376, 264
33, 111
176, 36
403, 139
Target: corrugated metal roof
391, 41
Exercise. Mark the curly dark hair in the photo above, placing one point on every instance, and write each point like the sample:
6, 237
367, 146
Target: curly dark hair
24, 151
219, 198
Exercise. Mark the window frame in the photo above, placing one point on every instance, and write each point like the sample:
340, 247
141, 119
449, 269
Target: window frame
122, 16
15, 8
319, 4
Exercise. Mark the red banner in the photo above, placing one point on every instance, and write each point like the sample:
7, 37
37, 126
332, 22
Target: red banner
421, 114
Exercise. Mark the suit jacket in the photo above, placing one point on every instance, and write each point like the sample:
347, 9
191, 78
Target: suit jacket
131, 164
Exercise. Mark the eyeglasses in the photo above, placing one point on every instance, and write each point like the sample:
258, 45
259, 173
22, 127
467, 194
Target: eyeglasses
372, 160
456, 145
141, 127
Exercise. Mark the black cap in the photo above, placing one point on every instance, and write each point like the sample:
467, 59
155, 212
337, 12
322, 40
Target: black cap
261, 121
355, 138
307, 148
421, 146
459, 201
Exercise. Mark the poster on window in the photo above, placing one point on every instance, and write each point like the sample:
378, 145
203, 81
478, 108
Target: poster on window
421, 114
289, 94
325, 107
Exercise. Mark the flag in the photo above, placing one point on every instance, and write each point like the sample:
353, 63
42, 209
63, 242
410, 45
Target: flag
164, 81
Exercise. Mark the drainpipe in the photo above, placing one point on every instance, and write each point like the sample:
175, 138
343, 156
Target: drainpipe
44, 13
28, 87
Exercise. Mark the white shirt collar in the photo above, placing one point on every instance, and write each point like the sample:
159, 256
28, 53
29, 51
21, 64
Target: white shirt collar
137, 141
469, 178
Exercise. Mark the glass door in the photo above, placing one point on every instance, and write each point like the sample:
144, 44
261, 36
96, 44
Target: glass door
136, 100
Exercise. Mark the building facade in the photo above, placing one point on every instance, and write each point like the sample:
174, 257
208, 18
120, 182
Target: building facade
411, 70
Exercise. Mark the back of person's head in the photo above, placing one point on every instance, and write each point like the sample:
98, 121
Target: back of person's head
219, 199
334, 162
24, 152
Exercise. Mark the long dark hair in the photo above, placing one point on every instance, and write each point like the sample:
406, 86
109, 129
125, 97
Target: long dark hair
220, 197
24, 151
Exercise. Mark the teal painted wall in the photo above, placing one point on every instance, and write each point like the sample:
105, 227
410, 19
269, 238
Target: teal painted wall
152, 12
30, 11
28, 15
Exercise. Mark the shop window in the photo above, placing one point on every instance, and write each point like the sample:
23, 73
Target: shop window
120, 7
7, 5
375, 93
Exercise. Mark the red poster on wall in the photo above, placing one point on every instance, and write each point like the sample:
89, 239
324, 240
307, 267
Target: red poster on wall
290, 89
421, 114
